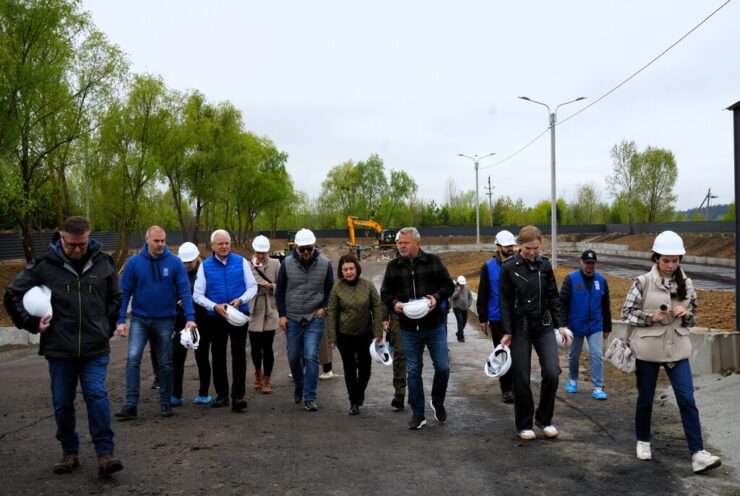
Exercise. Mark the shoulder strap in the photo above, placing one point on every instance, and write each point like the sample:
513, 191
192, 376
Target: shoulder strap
262, 274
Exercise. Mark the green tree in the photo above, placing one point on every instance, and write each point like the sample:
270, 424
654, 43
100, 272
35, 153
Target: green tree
622, 182
655, 176
587, 207
55, 68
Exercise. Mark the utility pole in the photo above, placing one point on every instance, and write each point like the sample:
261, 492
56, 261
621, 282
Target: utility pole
490, 194
708, 199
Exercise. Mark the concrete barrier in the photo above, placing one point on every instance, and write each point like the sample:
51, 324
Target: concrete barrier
11, 335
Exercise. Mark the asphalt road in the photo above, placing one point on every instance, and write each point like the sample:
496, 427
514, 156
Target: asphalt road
277, 448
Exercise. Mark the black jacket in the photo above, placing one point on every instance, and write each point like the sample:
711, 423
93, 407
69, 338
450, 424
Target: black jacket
528, 291
406, 280
85, 306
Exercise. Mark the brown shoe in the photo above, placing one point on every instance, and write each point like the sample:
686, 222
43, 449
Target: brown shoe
258, 379
68, 463
266, 389
107, 464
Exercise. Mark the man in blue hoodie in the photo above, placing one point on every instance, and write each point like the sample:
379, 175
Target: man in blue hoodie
155, 280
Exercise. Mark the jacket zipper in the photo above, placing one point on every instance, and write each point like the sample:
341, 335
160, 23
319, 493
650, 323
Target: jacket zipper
79, 321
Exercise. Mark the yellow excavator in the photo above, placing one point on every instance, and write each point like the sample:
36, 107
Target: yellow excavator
385, 238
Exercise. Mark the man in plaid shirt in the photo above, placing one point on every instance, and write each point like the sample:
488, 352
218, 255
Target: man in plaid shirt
412, 275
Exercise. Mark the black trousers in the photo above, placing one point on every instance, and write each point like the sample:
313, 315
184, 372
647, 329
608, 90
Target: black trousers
497, 332
261, 343
355, 351
221, 333
543, 341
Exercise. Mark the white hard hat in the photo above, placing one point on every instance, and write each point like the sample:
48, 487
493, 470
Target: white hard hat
188, 252
37, 301
190, 338
461, 280
505, 238
416, 309
305, 237
261, 244
498, 362
381, 351
668, 243
235, 317
559, 338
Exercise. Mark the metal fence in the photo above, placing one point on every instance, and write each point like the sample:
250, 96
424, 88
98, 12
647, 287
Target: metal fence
11, 245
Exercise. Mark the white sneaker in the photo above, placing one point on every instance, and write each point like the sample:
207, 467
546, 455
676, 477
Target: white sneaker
643, 451
550, 431
527, 434
702, 461
326, 375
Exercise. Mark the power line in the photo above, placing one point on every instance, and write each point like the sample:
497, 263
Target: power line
611, 90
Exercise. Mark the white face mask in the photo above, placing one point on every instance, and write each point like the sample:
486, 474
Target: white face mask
256, 262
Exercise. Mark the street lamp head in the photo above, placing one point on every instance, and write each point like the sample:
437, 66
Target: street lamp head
524, 97
579, 98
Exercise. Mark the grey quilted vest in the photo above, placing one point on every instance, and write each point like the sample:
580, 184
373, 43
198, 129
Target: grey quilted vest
304, 292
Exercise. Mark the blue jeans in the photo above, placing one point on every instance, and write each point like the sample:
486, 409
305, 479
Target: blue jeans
160, 332
90, 372
413, 346
594, 350
462, 319
683, 388
303, 340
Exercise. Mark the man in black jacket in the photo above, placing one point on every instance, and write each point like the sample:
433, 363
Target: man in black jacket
413, 275
84, 300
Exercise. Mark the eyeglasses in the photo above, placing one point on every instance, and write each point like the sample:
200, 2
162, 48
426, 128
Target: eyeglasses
305, 249
73, 246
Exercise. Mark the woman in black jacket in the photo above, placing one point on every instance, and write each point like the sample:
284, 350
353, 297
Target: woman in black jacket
530, 309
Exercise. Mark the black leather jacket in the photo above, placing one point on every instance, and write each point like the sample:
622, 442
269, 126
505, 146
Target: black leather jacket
528, 294
85, 307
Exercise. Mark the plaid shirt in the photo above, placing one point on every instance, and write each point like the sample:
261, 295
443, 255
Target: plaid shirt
632, 311
406, 280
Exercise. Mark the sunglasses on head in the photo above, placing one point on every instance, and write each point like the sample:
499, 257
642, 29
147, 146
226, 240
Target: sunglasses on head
305, 249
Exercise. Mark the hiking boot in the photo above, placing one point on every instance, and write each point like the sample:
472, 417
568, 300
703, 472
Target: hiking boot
67, 464
203, 400
440, 414
220, 402
527, 435
397, 402
643, 451
571, 386
599, 394
165, 410
507, 397
311, 406
702, 461
239, 405
127, 412
417, 422
108, 465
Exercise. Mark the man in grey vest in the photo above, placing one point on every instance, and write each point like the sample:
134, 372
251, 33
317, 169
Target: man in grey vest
304, 282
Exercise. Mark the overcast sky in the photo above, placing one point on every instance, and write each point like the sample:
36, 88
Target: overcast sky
418, 82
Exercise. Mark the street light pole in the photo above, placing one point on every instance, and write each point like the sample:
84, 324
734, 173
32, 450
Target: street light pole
553, 118
476, 159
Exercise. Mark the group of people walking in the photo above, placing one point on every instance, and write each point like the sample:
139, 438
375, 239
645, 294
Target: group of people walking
178, 302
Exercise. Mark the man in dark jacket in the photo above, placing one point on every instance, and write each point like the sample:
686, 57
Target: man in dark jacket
489, 310
413, 275
75, 341
585, 300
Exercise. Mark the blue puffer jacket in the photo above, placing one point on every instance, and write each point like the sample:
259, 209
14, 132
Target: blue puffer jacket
225, 281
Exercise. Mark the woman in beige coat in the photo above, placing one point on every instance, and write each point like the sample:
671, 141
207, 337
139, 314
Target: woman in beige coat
264, 315
660, 308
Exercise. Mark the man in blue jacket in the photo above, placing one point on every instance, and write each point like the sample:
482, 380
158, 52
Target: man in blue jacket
585, 299
75, 336
155, 280
489, 311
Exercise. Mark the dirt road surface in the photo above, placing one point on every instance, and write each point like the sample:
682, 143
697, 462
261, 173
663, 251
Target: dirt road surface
277, 448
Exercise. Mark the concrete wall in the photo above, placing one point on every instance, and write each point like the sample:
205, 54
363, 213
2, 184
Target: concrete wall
11, 335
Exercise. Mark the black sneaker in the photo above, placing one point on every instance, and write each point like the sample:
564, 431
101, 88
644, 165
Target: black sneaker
311, 406
220, 402
440, 414
298, 393
417, 422
165, 410
239, 405
507, 397
354, 409
127, 412
155, 384
397, 402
